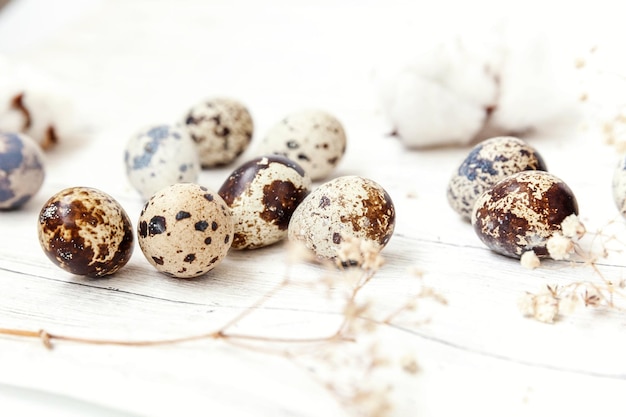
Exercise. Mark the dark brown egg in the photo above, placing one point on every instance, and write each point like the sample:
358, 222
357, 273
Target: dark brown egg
521, 212
263, 194
86, 232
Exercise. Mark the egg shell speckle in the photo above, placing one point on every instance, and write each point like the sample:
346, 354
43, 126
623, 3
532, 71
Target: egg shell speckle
86, 232
222, 129
521, 212
185, 230
21, 170
619, 186
346, 206
314, 139
487, 163
263, 194
159, 156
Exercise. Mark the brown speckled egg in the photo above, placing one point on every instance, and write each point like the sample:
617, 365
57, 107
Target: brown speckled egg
263, 194
346, 206
313, 138
487, 163
185, 230
222, 129
521, 212
86, 232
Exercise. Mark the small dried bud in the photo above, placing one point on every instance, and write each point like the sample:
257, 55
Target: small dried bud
572, 227
560, 247
530, 260
569, 303
409, 364
542, 307
361, 252
592, 296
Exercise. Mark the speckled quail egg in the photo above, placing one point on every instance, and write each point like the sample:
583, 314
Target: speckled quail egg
21, 170
86, 232
619, 186
349, 206
487, 163
522, 211
314, 139
263, 194
185, 230
222, 129
159, 156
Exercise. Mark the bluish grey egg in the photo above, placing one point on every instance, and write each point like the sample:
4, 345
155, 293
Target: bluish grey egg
159, 156
487, 163
21, 170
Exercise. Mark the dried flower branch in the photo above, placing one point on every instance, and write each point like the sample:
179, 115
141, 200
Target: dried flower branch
348, 361
599, 292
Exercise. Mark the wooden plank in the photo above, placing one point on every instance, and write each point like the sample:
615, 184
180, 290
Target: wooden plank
132, 64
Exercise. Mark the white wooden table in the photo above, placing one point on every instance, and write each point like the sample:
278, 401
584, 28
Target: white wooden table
133, 63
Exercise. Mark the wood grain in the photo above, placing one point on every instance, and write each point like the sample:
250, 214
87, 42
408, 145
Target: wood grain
127, 65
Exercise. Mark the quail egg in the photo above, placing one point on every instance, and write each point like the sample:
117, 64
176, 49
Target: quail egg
263, 194
185, 230
222, 129
159, 156
349, 206
21, 170
86, 232
522, 211
314, 139
487, 163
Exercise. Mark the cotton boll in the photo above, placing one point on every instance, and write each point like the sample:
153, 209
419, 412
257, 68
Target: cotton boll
32, 103
536, 82
443, 97
425, 113
33, 112
10, 119
504, 79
